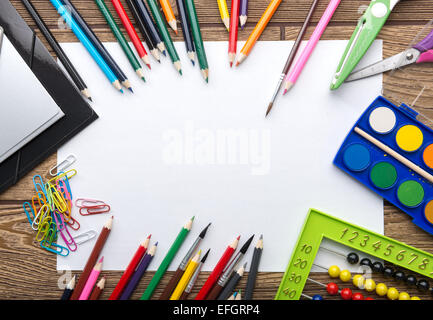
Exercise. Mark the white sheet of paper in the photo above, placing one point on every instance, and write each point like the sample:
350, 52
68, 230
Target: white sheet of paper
179, 147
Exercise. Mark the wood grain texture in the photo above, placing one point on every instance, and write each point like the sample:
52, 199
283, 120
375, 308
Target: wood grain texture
21, 257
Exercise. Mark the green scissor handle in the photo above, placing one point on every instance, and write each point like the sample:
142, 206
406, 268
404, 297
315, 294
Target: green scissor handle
366, 31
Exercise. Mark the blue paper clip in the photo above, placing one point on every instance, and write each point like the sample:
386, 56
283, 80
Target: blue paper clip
28, 213
58, 249
40, 184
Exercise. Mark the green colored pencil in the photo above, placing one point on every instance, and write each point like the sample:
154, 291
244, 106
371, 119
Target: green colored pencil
165, 35
120, 38
198, 41
167, 260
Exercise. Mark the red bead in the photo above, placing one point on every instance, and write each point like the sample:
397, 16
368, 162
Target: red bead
346, 294
357, 296
369, 298
332, 288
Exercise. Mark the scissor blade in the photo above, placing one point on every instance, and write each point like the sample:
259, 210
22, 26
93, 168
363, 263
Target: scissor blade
399, 60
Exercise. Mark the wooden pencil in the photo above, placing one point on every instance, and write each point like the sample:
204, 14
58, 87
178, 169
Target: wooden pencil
194, 278
187, 36
224, 13
99, 245
96, 293
183, 281
252, 275
231, 285
60, 53
169, 15
233, 32
69, 289
243, 13
93, 277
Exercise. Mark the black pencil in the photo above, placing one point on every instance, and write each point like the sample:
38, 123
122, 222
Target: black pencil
76, 78
252, 275
153, 49
98, 44
187, 35
68, 290
231, 285
146, 18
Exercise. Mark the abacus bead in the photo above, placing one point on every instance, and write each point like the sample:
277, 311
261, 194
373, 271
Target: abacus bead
334, 271
410, 279
392, 294
404, 296
345, 275
332, 288
357, 296
423, 285
358, 281
352, 258
381, 289
365, 262
415, 298
388, 272
317, 297
377, 266
369, 298
369, 285
346, 294
399, 276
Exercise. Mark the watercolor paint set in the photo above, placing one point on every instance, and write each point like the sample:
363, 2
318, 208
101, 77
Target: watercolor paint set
391, 152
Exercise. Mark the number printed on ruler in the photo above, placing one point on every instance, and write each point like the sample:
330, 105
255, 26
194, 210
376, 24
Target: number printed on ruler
299, 263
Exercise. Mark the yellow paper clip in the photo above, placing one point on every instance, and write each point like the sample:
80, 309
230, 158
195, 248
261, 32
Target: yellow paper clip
43, 210
68, 174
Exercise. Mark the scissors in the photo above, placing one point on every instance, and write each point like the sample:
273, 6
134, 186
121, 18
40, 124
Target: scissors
419, 53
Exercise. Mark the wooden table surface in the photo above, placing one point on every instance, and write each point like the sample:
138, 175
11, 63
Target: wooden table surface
27, 272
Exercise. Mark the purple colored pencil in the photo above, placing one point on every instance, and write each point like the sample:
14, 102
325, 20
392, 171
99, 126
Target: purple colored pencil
138, 274
243, 13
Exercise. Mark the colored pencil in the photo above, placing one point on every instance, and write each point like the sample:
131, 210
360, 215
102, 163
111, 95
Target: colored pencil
100, 242
139, 272
233, 296
194, 277
73, 73
198, 40
98, 44
213, 277
243, 13
120, 38
252, 275
64, 13
233, 32
183, 282
131, 31
169, 15
167, 260
150, 26
96, 293
231, 285
190, 50
224, 13
182, 266
257, 31
153, 49
90, 283
293, 76
239, 295
130, 269
165, 35
228, 271
69, 289
292, 55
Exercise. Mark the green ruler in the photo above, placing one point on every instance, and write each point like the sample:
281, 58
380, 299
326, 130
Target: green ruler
320, 225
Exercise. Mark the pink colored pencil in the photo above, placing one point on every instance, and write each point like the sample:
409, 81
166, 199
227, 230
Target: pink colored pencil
308, 50
93, 277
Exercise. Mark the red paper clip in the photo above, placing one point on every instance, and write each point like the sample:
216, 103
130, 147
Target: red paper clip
87, 211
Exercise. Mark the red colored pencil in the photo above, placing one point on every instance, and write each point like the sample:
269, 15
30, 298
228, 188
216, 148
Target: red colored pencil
215, 274
233, 38
130, 269
131, 31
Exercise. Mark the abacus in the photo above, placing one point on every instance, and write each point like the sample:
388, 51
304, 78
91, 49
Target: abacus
319, 225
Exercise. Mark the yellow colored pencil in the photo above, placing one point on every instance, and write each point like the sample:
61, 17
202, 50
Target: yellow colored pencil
169, 15
183, 282
224, 13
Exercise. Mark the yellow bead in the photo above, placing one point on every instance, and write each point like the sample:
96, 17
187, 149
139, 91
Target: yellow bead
404, 296
392, 294
334, 271
381, 289
358, 281
415, 298
369, 285
345, 275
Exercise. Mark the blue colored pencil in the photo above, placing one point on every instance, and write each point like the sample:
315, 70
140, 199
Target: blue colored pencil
87, 44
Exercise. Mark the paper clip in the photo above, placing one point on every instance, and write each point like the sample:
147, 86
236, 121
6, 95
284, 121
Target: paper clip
73, 224
88, 235
69, 240
88, 211
43, 230
68, 174
38, 219
27, 204
62, 166
39, 184
58, 249
65, 181
83, 202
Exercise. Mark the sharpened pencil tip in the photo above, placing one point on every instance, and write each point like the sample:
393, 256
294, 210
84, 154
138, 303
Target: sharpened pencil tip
237, 63
231, 64
143, 79
130, 89
269, 108
90, 98
164, 53
148, 65
180, 71
193, 217
261, 237
156, 243
102, 259
284, 92
150, 235
193, 62
238, 237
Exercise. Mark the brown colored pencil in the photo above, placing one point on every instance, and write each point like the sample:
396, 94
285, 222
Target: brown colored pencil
92, 259
98, 289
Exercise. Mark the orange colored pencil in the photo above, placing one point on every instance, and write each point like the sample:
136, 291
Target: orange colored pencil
169, 15
258, 29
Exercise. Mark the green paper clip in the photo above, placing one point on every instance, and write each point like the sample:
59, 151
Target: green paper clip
366, 31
